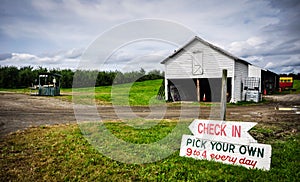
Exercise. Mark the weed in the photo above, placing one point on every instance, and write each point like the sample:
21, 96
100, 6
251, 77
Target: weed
61, 153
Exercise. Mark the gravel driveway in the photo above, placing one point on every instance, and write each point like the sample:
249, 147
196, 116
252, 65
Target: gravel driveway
20, 111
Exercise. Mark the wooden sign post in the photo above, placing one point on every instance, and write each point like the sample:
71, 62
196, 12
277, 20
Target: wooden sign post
224, 95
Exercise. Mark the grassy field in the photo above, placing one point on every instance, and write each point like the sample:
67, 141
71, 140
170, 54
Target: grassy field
61, 153
137, 94
16, 90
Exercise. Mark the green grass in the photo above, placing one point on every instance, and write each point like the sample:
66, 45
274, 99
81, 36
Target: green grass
135, 94
139, 93
248, 103
16, 90
296, 86
61, 153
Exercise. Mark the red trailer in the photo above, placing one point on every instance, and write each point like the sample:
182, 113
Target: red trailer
286, 83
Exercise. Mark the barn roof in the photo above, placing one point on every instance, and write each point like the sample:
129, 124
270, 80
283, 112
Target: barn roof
196, 38
51, 74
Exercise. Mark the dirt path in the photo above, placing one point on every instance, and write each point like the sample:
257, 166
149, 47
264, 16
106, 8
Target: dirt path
20, 111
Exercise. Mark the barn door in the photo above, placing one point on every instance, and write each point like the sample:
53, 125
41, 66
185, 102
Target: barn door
197, 63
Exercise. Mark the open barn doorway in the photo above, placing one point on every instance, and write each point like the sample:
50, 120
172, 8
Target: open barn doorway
182, 90
186, 89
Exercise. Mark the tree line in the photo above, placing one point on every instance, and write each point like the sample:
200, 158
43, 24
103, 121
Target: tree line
13, 77
294, 75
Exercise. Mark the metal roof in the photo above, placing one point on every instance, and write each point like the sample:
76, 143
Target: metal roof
52, 74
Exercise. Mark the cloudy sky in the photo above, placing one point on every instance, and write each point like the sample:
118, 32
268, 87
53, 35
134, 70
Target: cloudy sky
55, 33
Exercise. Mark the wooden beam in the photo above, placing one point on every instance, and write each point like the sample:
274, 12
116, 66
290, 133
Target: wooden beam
166, 89
198, 89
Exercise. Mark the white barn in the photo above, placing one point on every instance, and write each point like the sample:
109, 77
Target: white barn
194, 72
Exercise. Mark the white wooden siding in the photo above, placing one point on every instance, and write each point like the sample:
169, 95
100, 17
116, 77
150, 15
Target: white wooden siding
255, 71
213, 62
241, 72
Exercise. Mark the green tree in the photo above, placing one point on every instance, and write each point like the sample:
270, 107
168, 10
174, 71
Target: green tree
67, 78
26, 77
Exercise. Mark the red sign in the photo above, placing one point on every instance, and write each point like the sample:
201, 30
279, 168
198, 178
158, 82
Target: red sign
235, 132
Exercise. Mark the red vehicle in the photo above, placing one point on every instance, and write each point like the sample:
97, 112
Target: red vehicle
286, 83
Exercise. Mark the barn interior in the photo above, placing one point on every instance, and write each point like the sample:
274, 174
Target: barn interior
186, 89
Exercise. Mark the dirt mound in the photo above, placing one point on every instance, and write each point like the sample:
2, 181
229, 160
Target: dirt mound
288, 99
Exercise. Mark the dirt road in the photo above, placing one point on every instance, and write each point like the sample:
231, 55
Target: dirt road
20, 111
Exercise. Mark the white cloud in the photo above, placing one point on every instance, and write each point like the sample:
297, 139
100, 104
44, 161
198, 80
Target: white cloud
284, 64
270, 65
253, 46
255, 41
62, 60
146, 54
16, 56
265, 33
